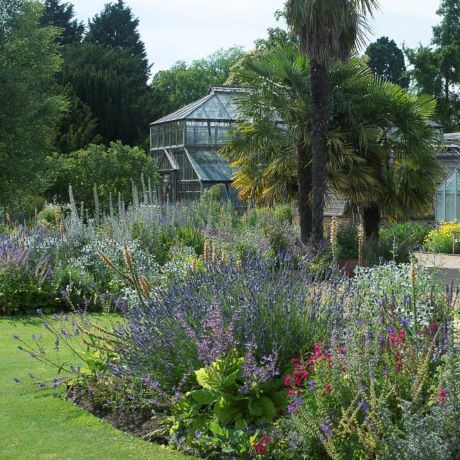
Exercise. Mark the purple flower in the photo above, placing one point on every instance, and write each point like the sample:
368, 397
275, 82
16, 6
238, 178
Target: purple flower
295, 405
404, 322
312, 384
364, 405
368, 422
326, 429
39, 311
244, 389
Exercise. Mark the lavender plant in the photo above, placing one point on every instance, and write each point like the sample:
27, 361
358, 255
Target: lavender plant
225, 307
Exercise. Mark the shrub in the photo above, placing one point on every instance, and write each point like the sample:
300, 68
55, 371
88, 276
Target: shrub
441, 239
400, 239
114, 169
347, 242
242, 302
50, 216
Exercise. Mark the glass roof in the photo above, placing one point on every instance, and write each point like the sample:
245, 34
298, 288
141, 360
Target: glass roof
219, 104
448, 198
209, 165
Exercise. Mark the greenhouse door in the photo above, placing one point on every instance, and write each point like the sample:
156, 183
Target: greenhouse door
168, 188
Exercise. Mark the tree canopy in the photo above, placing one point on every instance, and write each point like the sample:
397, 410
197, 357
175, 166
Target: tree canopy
436, 68
183, 83
115, 27
380, 144
31, 104
387, 60
62, 16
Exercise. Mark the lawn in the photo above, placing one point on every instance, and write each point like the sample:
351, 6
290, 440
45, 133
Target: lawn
40, 424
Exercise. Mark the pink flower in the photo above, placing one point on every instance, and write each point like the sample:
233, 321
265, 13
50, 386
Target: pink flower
442, 396
265, 439
287, 380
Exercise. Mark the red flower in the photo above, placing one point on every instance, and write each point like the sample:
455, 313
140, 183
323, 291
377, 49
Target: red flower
295, 362
259, 448
399, 361
327, 390
287, 380
397, 339
265, 439
442, 396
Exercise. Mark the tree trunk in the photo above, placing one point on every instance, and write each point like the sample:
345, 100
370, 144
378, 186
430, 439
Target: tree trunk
320, 125
304, 190
371, 221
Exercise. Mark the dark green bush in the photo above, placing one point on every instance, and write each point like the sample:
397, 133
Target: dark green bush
347, 242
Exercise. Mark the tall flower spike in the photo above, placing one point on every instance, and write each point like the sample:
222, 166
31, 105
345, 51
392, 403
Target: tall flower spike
334, 227
128, 258
361, 236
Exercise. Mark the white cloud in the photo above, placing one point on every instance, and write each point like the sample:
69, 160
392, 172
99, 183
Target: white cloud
189, 29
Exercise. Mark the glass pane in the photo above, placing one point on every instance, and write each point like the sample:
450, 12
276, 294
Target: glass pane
440, 216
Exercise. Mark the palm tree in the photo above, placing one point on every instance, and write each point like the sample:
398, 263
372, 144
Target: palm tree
279, 110
328, 30
380, 146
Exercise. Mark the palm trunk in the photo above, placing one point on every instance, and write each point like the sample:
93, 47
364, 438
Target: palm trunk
320, 125
304, 190
371, 221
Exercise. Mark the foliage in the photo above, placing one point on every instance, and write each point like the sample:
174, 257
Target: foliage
328, 32
114, 169
441, 239
116, 28
183, 84
436, 69
387, 60
371, 120
112, 82
61, 16
400, 239
78, 126
29, 61
225, 408
206, 327
347, 242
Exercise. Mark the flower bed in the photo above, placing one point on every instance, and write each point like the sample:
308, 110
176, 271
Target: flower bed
260, 357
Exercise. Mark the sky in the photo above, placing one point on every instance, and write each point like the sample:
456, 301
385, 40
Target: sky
174, 30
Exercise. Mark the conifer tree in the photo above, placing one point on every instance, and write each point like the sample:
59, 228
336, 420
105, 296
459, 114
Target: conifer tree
116, 27
61, 15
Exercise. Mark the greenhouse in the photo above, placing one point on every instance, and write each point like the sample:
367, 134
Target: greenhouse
186, 146
448, 198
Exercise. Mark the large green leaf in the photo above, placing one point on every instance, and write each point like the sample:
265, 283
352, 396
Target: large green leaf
205, 396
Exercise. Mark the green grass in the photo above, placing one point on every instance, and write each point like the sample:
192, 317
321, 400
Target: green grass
40, 424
